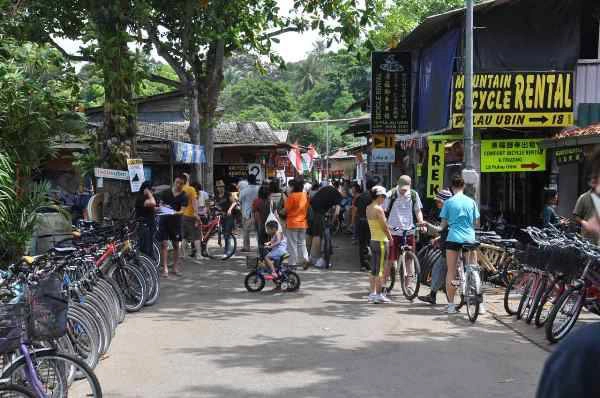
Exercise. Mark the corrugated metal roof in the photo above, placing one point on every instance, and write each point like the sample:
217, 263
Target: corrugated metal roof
591, 130
587, 94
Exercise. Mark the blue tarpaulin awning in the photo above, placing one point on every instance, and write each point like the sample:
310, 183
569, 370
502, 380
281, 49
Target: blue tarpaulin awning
188, 153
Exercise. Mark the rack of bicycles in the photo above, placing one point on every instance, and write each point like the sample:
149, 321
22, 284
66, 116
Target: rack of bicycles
560, 276
60, 311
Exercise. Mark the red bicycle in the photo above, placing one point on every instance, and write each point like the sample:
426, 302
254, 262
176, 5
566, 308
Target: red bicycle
217, 243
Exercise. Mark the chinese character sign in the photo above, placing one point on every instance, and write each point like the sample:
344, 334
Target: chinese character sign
390, 93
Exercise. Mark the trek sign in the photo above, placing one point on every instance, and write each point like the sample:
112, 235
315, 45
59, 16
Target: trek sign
507, 156
516, 99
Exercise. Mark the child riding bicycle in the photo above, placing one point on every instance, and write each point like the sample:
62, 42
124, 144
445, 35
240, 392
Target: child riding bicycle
277, 245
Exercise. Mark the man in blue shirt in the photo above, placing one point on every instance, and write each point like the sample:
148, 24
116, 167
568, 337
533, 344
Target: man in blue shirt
461, 215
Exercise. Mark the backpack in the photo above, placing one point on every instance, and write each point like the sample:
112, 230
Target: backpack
394, 196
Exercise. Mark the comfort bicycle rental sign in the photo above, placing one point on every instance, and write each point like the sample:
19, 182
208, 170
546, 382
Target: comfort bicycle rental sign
519, 155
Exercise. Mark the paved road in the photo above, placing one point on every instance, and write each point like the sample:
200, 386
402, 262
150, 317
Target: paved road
208, 337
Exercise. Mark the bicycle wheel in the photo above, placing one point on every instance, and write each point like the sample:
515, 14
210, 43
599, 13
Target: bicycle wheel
547, 302
254, 282
409, 280
156, 255
115, 291
131, 282
292, 281
535, 303
514, 292
563, 316
15, 391
471, 296
217, 247
149, 271
84, 337
61, 375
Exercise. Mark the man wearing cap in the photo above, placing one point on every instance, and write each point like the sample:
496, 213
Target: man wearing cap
438, 273
403, 208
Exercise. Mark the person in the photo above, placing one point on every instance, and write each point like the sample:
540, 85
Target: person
228, 205
145, 211
203, 198
277, 246
461, 215
275, 198
570, 372
247, 197
362, 226
549, 216
380, 238
219, 191
169, 226
356, 192
438, 273
404, 210
296, 211
326, 199
190, 217
586, 209
260, 211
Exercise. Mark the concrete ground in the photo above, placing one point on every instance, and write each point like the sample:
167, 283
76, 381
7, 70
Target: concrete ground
209, 337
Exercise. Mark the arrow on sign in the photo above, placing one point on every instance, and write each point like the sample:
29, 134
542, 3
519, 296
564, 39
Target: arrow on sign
379, 143
541, 119
531, 166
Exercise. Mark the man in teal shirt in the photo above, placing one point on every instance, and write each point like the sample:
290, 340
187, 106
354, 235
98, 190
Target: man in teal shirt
461, 215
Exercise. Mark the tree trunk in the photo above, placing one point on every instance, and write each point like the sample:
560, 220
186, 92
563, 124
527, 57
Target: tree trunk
194, 127
118, 136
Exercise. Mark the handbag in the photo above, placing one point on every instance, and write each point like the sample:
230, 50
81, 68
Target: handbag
273, 217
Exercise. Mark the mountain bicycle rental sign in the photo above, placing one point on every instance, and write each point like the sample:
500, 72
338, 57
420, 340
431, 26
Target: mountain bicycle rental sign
516, 99
507, 156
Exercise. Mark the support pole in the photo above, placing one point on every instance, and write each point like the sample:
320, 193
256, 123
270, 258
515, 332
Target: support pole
469, 87
327, 150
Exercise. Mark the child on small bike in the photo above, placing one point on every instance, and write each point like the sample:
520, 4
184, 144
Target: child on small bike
277, 245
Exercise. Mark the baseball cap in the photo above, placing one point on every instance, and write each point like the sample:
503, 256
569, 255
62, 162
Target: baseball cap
443, 195
378, 190
404, 182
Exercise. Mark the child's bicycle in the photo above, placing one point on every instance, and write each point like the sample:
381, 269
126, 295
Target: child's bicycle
288, 280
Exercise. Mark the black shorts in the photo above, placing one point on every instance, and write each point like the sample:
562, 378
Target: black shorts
169, 228
316, 224
454, 246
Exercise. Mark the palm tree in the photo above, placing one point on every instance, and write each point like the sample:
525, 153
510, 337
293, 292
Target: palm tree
309, 72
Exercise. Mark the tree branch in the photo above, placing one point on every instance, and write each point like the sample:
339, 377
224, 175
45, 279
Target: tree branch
70, 57
166, 81
280, 32
165, 51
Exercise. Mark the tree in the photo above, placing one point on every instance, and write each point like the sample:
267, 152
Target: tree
248, 93
196, 38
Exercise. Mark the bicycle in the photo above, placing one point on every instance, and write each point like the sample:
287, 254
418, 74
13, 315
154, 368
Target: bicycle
288, 279
410, 280
469, 282
213, 236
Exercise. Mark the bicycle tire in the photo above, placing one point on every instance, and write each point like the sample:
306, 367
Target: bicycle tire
63, 377
410, 294
15, 391
525, 297
515, 284
539, 293
156, 254
131, 282
83, 337
154, 293
104, 295
471, 302
215, 248
293, 281
257, 280
555, 336
116, 292
547, 303
100, 326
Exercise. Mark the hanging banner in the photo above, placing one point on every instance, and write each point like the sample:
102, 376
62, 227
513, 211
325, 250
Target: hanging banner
390, 93
569, 155
435, 165
516, 99
508, 156
136, 173
256, 170
188, 153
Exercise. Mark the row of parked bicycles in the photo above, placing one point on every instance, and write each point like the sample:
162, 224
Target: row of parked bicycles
560, 277
60, 311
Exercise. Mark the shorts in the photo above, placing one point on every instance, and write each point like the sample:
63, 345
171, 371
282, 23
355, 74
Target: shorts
169, 228
379, 251
316, 224
190, 231
394, 252
454, 246
277, 253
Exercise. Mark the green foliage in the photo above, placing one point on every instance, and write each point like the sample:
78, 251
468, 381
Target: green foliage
37, 101
18, 211
86, 161
258, 92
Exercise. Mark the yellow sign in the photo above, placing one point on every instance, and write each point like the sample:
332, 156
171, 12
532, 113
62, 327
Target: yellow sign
516, 99
508, 156
435, 165
381, 141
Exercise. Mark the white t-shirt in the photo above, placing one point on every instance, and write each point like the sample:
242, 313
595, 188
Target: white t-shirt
402, 212
202, 198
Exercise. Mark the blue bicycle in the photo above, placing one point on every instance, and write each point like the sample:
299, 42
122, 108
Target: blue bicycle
287, 279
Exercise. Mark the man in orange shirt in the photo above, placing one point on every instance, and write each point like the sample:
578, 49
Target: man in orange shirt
296, 213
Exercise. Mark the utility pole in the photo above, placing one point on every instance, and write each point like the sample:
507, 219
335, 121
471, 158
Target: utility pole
327, 150
470, 175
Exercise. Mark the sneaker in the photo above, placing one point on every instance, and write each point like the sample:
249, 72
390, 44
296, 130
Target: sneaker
377, 299
452, 309
371, 297
427, 299
321, 263
385, 299
193, 254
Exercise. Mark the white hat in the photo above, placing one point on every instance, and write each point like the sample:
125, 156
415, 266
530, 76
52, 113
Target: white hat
378, 190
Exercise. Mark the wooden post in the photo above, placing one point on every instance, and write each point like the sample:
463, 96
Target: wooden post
171, 166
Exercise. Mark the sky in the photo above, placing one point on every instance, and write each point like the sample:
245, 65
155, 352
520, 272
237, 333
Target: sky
293, 46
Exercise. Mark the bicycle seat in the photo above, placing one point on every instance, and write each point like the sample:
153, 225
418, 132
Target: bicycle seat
470, 246
63, 251
29, 260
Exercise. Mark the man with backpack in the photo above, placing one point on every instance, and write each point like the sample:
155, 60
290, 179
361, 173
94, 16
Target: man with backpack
403, 209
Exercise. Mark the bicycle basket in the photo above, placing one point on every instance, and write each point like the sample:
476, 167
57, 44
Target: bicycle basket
48, 309
12, 326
